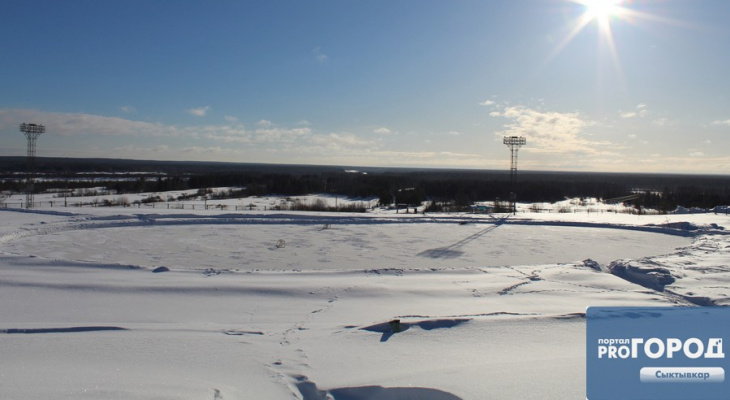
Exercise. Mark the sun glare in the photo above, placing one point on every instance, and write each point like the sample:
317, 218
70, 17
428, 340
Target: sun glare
600, 13
606, 16
602, 10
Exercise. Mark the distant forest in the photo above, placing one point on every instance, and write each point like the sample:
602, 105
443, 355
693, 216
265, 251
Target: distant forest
402, 185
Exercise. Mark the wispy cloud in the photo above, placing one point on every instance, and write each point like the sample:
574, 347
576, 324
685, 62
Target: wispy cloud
230, 118
199, 112
78, 124
550, 131
641, 111
280, 134
383, 131
73, 124
88, 135
225, 133
264, 123
339, 141
127, 109
319, 55
427, 154
725, 122
193, 152
487, 103
662, 122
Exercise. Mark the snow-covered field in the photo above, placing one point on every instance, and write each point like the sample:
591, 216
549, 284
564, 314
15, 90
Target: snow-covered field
281, 305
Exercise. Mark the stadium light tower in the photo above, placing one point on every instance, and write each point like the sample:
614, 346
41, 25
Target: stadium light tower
31, 132
514, 143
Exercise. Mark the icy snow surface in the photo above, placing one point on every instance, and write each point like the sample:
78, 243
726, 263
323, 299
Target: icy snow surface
287, 305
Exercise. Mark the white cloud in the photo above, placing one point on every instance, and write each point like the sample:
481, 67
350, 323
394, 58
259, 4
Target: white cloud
127, 109
551, 132
641, 111
77, 124
426, 154
193, 152
662, 122
337, 141
88, 135
382, 131
452, 154
230, 118
280, 135
226, 134
264, 123
453, 133
725, 122
318, 55
632, 136
696, 154
74, 124
304, 122
199, 112
487, 103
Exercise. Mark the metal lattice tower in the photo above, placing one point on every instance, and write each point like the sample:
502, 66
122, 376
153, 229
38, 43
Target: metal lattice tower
514, 143
31, 132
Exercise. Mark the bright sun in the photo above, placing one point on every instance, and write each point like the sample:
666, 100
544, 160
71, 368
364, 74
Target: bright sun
600, 13
602, 10
606, 16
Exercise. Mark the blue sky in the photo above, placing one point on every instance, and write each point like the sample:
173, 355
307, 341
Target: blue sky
416, 83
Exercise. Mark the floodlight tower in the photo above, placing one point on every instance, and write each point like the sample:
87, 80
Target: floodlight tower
514, 143
31, 132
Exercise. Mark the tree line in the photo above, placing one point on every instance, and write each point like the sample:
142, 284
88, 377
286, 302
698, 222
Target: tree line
402, 186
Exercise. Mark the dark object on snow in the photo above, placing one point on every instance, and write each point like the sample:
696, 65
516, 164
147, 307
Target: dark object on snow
310, 391
592, 265
391, 393
160, 269
72, 329
394, 326
701, 301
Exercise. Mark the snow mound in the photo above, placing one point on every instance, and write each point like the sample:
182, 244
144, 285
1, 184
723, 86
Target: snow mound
591, 264
655, 278
392, 327
309, 391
